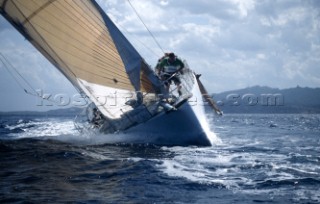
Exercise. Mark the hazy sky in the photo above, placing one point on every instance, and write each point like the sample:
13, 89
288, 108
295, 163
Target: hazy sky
233, 43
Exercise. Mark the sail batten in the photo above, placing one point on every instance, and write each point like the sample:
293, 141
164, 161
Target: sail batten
73, 37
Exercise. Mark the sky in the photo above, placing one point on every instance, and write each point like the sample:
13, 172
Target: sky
234, 44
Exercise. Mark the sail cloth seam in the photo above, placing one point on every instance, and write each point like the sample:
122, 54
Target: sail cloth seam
104, 22
131, 34
70, 36
92, 17
19, 27
37, 11
103, 76
70, 53
99, 59
133, 67
78, 68
103, 28
102, 48
145, 80
88, 71
79, 49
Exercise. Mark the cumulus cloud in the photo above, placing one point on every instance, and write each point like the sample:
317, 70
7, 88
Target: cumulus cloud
232, 43
243, 43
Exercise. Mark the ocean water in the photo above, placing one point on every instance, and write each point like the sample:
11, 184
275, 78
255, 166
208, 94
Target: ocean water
255, 159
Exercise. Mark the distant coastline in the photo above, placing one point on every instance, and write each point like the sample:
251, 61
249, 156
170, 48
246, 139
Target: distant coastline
251, 100
262, 99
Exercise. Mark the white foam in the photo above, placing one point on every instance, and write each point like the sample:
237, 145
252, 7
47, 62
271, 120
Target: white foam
62, 130
230, 169
41, 128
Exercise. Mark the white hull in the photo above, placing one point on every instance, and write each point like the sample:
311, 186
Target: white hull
186, 126
181, 127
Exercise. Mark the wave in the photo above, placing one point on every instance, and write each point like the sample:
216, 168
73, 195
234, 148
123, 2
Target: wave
287, 182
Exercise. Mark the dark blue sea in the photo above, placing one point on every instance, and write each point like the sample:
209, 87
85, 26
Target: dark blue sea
256, 159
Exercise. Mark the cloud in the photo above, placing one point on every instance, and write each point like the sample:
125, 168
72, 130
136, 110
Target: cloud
232, 43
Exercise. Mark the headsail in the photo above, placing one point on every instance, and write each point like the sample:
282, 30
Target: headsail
84, 44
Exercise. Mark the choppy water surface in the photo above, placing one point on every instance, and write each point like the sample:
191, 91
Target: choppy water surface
256, 158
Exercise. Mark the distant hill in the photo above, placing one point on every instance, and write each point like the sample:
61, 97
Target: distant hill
262, 99
256, 99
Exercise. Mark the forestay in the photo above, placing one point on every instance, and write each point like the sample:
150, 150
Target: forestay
79, 39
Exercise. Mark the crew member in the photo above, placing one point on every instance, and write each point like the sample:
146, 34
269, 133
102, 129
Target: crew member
168, 68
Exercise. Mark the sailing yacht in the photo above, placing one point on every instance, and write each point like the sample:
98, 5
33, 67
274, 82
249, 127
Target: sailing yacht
127, 97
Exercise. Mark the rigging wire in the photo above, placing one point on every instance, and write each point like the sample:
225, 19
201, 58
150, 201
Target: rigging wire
7, 64
146, 27
143, 44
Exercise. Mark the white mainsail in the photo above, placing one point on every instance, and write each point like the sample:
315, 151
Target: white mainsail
79, 39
